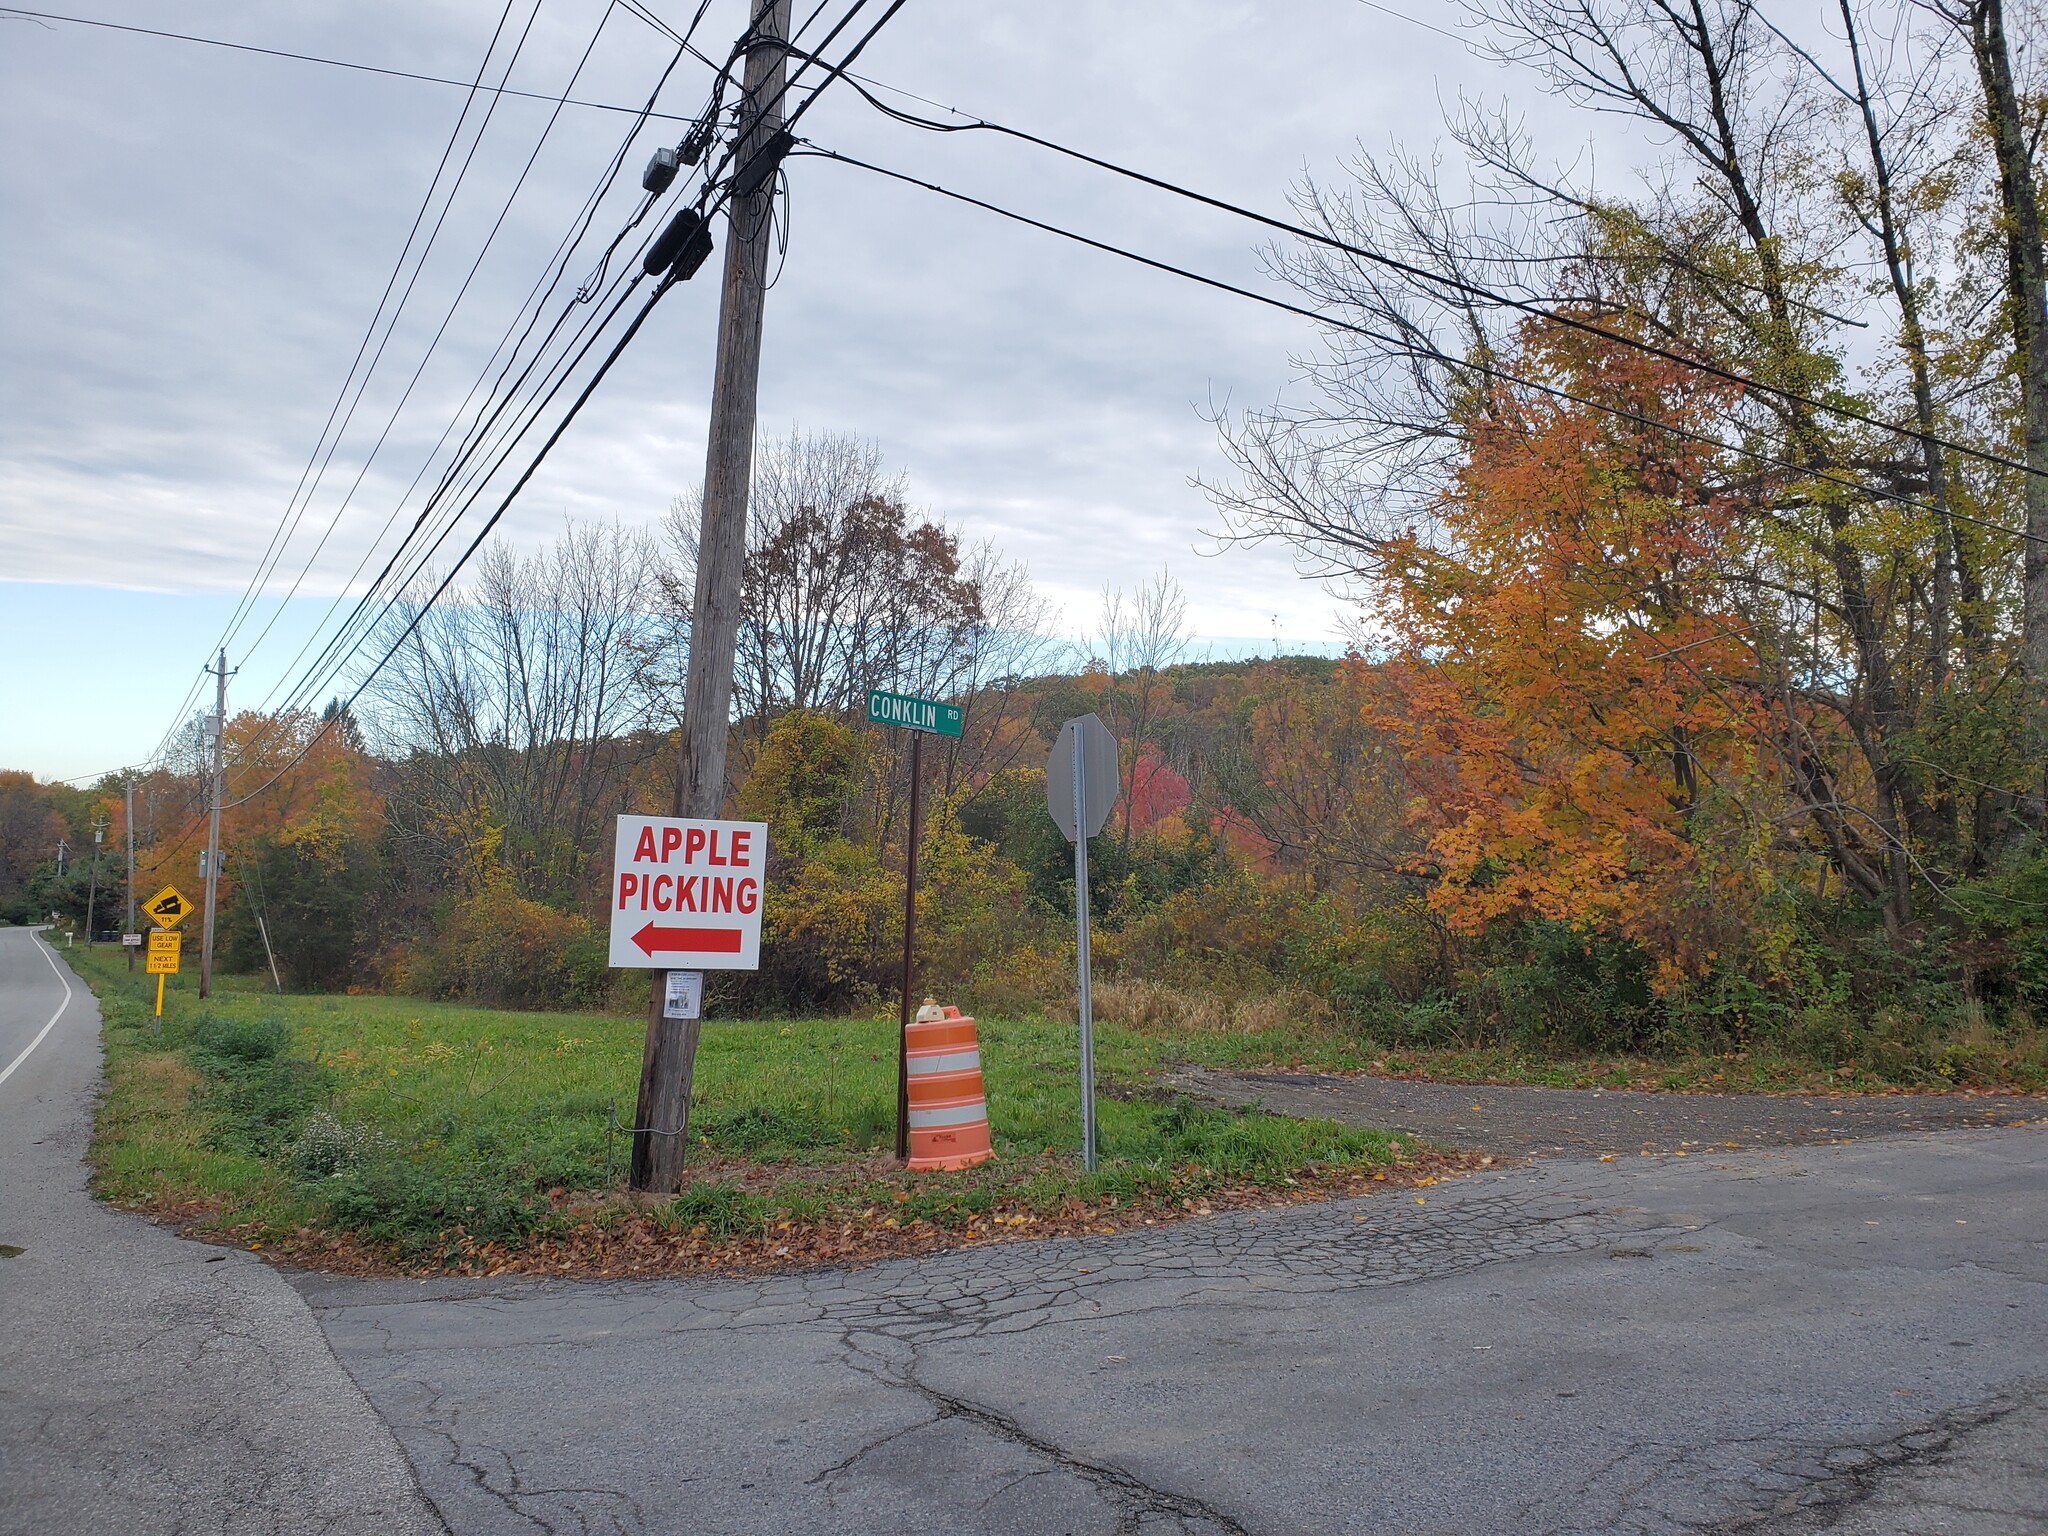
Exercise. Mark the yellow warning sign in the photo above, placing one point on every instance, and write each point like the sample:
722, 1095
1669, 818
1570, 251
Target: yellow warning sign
164, 949
168, 907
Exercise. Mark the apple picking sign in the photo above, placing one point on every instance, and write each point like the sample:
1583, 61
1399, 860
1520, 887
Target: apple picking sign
686, 895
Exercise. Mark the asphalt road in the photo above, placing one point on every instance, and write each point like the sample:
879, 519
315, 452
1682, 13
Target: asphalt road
148, 1384
1849, 1337
1766, 1341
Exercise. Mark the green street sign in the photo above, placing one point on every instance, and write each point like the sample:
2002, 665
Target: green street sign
913, 714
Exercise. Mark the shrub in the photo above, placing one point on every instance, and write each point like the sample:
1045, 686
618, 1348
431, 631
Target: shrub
500, 949
803, 780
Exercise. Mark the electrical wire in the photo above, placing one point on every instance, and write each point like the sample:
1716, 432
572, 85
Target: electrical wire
561, 379
1456, 284
362, 385
742, 130
1436, 354
331, 63
433, 344
486, 476
557, 264
426, 202
490, 523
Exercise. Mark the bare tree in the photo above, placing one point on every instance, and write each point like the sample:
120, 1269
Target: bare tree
846, 589
514, 711
2015, 117
1140, 635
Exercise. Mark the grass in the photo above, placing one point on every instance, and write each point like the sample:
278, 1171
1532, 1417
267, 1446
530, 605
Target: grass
1891, 1051
368, 1131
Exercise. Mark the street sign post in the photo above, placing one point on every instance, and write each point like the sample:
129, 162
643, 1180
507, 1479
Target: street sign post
686, 894
165, 946
922, 718
168, 907
1081, 784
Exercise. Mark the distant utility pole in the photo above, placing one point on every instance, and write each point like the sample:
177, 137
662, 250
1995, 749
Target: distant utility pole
92, 890
128, 816
670, 1057
218, 777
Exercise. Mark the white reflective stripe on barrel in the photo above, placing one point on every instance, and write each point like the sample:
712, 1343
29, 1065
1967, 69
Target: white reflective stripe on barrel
952, 1114
956, 1061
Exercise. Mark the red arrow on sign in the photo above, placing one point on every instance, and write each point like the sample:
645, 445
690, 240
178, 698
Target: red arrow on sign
698, 941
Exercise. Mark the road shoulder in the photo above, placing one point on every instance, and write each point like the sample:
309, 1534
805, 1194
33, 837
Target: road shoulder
155, 1384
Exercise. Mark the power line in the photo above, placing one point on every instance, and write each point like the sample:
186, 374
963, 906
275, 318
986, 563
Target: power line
341, 635
475, 440
489, 523
433, 345
426, 202
557, 264
310, 680
1436, 354
331, 63
1414, 21
362, 385
559, 430
1460, 285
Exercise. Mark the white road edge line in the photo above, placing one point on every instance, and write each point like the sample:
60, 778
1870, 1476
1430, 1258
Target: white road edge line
63, 981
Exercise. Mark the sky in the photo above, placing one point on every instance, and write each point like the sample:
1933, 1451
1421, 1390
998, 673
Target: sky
197, 239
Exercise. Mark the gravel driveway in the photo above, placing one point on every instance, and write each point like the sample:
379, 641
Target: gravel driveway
1539, 1122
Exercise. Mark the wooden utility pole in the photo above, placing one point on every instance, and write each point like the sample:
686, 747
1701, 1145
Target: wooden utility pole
92, 897
128, 787
216, 776
662, 1122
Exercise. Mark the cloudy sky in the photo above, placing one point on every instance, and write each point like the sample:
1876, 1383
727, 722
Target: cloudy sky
197, 239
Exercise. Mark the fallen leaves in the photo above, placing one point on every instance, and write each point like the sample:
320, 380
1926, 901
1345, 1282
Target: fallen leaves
619, 1237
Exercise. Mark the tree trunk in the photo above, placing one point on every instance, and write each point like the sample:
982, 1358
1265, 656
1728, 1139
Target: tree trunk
2027, 272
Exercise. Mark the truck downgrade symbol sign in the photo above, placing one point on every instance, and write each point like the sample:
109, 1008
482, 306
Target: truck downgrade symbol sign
686, 895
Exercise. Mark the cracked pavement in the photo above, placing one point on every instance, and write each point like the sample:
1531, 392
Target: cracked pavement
1784, 1341
148, 1384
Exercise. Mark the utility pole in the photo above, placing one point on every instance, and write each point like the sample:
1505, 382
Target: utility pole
219, 776
128, 817
662, 1121
92, 891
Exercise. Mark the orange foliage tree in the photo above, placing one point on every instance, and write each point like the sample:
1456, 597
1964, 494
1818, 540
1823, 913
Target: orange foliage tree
1568, 669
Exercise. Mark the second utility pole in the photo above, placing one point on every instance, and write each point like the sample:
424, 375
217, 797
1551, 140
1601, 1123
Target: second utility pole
661, 1125
215, 777
128, 817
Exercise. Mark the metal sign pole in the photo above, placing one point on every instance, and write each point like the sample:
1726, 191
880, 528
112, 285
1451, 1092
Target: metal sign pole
1081, 961
909, 943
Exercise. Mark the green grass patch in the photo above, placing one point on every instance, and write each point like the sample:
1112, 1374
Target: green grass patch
427, 1129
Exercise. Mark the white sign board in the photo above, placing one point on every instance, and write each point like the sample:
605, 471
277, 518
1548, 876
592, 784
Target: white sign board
686, 895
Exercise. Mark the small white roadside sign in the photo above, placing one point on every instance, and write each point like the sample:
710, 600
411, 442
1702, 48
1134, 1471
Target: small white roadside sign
686, 894
684, 996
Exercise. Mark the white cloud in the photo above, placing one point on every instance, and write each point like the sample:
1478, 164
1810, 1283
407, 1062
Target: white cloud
197, 238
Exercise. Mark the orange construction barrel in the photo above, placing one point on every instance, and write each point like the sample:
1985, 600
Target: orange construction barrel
948, 1109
